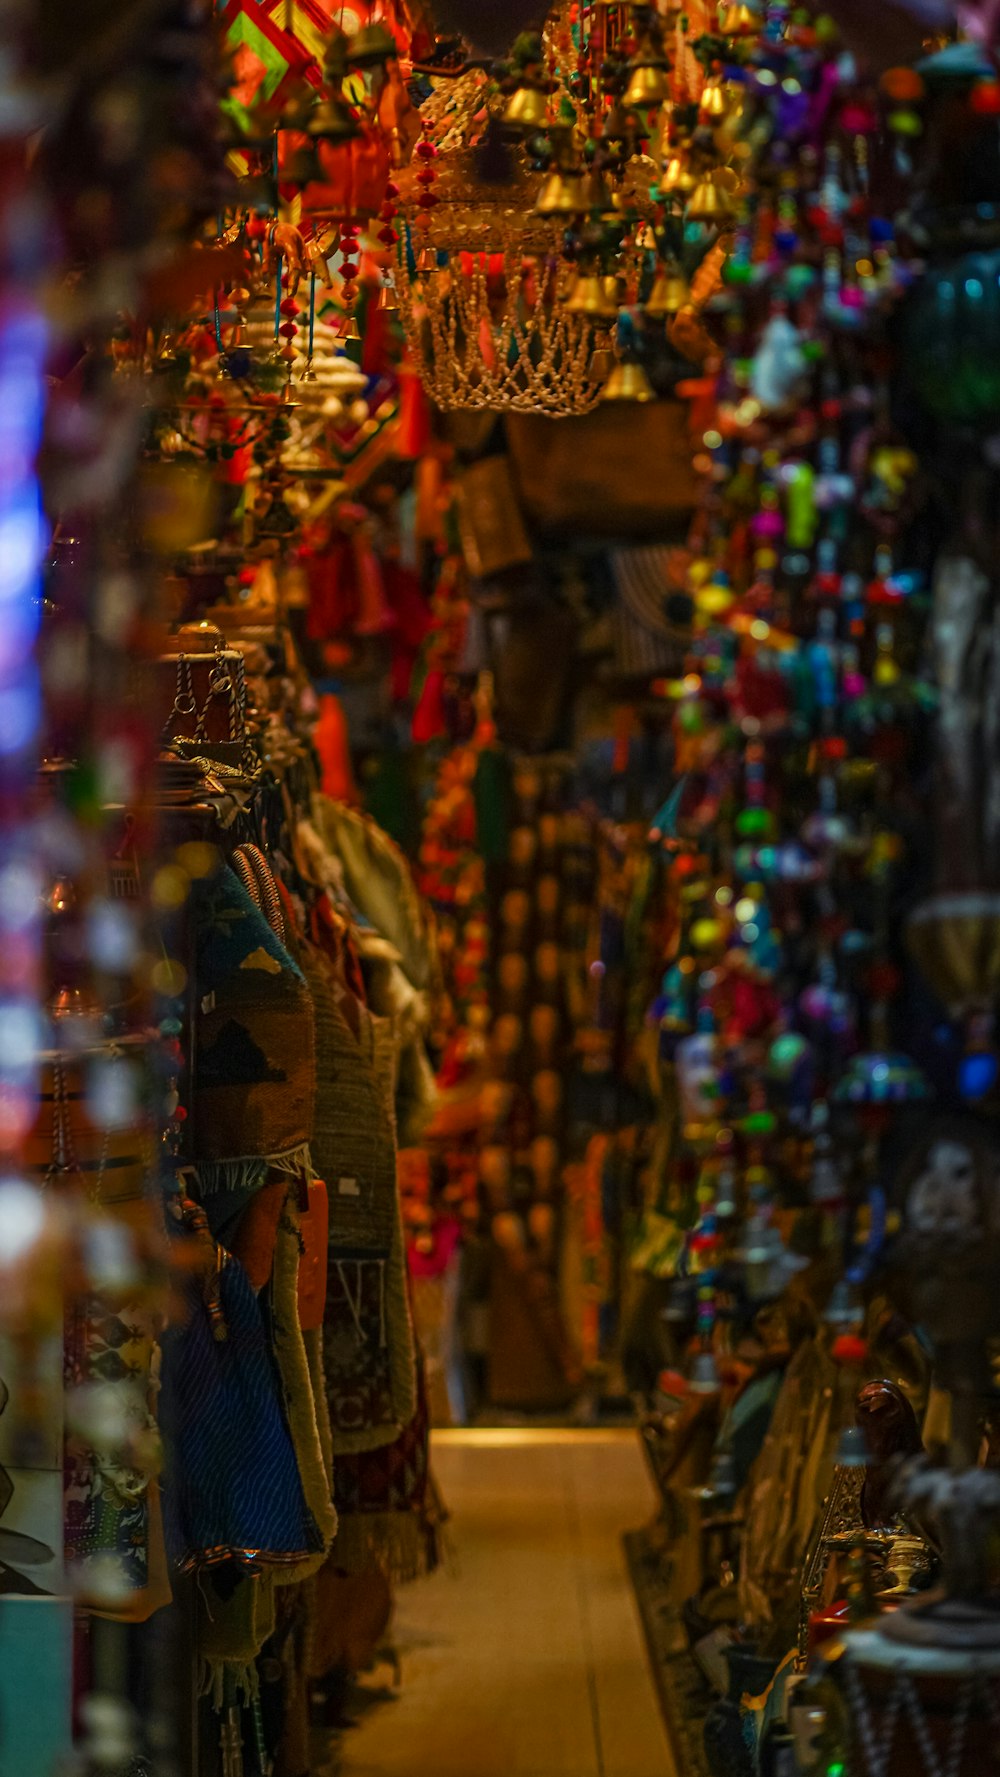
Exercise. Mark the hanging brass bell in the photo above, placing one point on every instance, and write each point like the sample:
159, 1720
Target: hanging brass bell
677, 176
709, 203
371, 47
739, 20
527, 109
648, 84
716, 99
332, 120
351, 330
628, 382
601, 364
670, 293
562, 194
591, 298
427, 260
617, 127
597, 193
386, 302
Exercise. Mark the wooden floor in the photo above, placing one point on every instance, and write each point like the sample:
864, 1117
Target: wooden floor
526, 1659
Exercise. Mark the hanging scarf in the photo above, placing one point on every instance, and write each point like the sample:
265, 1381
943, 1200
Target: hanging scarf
254, 1088
232, 1490
367, 1335
388, 1507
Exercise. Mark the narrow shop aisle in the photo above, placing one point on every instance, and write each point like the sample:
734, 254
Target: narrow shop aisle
526, 1659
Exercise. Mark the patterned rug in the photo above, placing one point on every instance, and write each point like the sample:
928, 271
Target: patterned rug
685, 1697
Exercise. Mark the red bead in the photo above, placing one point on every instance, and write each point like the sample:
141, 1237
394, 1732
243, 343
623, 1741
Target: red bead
426, 200
426, 176
388, 236
289, 306
288, 330
391, 191
985, 98
426, 151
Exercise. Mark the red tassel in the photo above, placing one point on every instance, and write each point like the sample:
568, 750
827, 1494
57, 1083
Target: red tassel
334, 753
414, 434
428, 717
374, 615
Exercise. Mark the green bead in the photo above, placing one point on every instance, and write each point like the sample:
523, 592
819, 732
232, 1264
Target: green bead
753, 823
759, 1123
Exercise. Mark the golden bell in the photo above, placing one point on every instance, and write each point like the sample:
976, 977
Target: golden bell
601, 364
591, 297
739, 20
562, 194
648, 85
527, 109
628, 382
351, 330
332, 120
371, 47
597, 193
427, 260
708, 203
669, 294
387, 300
716, 99
677, 175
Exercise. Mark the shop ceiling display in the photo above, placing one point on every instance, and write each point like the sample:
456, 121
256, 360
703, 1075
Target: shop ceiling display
552, 195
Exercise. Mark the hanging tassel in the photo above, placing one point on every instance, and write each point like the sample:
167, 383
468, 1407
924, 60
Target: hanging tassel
429, 715
414, 433
428, 523
331, 740
374, 616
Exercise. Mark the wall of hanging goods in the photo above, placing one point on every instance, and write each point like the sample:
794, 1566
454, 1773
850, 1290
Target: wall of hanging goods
499, 850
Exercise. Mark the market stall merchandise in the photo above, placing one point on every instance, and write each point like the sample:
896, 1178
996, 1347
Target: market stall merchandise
499, 879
